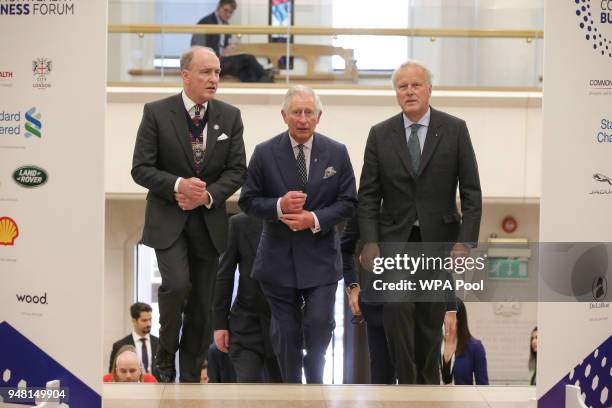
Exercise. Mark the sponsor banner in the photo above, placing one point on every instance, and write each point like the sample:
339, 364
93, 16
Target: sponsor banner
576, 196
52, 193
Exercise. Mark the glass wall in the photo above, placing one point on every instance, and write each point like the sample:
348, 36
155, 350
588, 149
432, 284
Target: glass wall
466, 44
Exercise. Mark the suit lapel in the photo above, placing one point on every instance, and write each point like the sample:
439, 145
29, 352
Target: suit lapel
431, 141
400, 145
319, 157
213, 131
285, 160
178, 120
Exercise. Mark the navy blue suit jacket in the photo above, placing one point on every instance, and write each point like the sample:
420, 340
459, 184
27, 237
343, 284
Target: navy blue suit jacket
299, 259
472, 365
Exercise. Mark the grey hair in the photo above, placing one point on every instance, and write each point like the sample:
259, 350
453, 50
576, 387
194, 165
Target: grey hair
187, 56
301, 89
408, 64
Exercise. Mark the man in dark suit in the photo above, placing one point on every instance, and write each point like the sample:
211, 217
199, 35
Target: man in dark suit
413, 163
301, 184
243, 331
141, 338
243, 66
381, 366
190, 155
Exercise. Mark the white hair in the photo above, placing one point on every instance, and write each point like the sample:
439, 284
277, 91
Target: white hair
301, 89
408, 64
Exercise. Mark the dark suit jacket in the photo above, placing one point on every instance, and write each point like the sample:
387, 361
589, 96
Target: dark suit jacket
391, 197
249, 318
210, 40
129, 340
163, 152
299, 259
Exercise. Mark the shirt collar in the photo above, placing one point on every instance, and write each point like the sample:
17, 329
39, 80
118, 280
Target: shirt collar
424, 121
137, 338
307, 144
189, 104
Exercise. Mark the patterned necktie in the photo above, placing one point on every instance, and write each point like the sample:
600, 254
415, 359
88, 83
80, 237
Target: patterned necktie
197, 144
414, 147
145, 354
197, 117
301, 166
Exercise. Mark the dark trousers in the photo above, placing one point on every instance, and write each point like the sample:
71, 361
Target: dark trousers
381, 366
414, 336
188, 269
291, 330
243, 66
254, 367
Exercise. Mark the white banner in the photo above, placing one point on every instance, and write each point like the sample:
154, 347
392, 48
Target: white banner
52, 108
574, 344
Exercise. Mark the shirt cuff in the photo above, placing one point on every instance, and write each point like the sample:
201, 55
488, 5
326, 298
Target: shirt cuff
279, 212
210, 201
176, 184
317, 227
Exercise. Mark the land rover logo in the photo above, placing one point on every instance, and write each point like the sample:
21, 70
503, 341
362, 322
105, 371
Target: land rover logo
30, 176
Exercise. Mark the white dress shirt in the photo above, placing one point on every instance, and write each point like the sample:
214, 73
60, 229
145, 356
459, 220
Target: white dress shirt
138, 345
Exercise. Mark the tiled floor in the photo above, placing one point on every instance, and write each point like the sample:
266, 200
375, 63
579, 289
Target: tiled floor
313, 396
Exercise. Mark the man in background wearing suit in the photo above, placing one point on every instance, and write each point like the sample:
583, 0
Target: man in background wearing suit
381, 366
243, 331
301, 184
243, 66
141, 338
413, 163
190, 155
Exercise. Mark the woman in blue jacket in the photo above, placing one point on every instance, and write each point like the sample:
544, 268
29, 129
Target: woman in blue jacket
463, 357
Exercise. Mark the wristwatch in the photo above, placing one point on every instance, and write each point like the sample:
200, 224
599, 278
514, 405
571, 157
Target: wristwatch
350, 287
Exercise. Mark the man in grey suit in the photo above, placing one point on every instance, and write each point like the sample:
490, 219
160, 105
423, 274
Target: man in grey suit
413, 163
190, 155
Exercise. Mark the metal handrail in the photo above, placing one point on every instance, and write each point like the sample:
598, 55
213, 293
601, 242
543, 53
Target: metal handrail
327, 31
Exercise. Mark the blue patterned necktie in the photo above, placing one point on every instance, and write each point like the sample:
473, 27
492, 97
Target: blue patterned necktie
301, 166
414, 147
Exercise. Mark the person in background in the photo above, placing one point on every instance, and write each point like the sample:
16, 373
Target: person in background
126, 367
141, 338
381, 366
533, 355
220, 368
464, 359
242, 329
243, 66
204, 373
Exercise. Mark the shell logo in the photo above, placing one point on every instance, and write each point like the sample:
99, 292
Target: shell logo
8, 231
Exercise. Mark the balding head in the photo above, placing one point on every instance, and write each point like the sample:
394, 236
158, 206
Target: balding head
127, 367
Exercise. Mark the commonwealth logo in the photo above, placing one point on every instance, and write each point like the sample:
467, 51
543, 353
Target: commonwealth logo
8, 231
33, 123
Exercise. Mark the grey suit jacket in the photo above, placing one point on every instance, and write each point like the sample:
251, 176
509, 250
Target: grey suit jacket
391, 197
163, 152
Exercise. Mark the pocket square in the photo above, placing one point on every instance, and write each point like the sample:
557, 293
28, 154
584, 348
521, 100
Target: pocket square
222, 137
329, 172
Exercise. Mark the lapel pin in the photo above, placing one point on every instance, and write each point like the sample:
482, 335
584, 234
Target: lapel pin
216, 127
316, 159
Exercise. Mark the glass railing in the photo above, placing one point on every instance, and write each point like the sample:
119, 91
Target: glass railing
335, 44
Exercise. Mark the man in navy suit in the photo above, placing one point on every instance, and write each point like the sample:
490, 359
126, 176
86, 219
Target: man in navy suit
301, 184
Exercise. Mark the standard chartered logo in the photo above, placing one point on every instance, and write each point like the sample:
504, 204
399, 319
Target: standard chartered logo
33, 123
